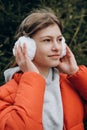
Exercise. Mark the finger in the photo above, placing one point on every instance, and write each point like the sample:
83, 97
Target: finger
24, 48
25, 51
19, 51
19, 54
69, 52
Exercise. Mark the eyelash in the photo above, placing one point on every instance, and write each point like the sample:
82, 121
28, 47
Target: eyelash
60, 39
48, 40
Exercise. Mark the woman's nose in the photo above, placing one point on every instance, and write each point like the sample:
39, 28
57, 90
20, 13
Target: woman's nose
55, 46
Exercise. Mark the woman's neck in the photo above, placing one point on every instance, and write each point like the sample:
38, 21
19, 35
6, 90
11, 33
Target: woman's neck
44, 71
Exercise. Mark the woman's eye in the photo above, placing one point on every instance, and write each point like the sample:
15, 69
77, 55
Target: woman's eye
47, 40
59, 40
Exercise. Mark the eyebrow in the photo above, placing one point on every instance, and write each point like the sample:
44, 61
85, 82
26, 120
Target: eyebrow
49, 36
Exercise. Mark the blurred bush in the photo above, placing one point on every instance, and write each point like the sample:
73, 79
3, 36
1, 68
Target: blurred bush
72, 13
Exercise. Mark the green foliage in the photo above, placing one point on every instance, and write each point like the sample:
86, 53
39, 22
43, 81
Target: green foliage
74, 18
72, 13
11, 15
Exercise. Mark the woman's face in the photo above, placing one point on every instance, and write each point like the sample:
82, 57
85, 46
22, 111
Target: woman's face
49, 46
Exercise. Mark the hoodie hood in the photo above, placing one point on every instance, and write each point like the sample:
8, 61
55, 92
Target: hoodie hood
8, 74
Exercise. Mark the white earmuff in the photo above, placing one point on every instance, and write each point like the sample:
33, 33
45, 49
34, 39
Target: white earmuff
63, 47
30, 43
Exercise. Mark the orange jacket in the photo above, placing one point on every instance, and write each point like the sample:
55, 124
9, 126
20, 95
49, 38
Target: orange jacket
21, 101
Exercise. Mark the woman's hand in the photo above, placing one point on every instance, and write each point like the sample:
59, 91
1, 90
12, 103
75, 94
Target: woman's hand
68, 63
23, 60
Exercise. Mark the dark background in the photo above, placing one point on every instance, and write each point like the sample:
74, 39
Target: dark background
73, 14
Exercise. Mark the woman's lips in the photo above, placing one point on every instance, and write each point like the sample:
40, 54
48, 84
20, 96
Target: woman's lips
54, 56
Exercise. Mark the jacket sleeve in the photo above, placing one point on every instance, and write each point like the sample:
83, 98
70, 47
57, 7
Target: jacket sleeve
79, 81
25, 113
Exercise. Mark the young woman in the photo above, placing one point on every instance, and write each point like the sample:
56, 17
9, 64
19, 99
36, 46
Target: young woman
50, 91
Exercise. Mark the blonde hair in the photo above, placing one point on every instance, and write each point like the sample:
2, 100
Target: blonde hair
37, 20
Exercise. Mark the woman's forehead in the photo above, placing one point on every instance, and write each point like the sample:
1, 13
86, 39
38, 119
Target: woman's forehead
52, 30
